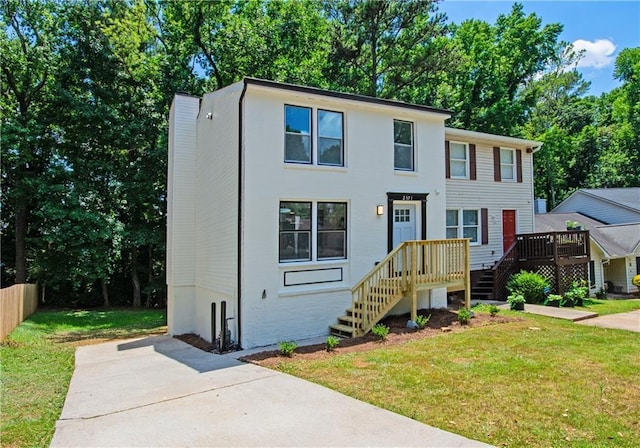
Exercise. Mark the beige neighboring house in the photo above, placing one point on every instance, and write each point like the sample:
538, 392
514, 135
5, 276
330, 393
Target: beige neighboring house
615, 249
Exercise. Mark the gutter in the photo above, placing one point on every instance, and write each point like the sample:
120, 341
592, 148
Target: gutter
240, 191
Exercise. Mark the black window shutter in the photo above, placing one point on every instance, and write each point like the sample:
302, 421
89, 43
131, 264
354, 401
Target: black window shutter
519, 164
484, 219
496, 164
472, 161
446, 159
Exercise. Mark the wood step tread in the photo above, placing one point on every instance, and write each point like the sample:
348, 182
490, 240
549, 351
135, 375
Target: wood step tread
343, 328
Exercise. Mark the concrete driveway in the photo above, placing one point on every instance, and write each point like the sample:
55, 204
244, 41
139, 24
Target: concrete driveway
161, 392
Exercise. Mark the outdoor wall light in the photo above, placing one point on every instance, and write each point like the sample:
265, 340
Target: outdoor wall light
380, 210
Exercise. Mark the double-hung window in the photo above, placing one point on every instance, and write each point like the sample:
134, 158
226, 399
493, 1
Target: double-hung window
326, 147
459, 160
403, 148
507, 164
464, 223
312, 231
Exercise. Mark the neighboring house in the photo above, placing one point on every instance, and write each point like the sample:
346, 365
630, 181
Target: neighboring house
489, 192
608, 205
615, 249
283, 198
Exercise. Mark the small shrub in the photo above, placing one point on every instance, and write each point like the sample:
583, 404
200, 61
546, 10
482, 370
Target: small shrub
636, 281
422, 321
577, 293
332, 343
515, 299
553, 298
381, 331
464, 316
287, 348
530, 285
601, 294
493, 310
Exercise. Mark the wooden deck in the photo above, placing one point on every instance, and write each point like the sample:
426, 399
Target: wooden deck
561, 257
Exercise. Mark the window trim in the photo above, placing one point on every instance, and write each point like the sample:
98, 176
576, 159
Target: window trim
514, 169
461, 226
314, 233
411, 146
310, 232
467, 160
314, 137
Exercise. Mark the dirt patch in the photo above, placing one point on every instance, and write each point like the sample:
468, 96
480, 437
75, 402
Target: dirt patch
441, 321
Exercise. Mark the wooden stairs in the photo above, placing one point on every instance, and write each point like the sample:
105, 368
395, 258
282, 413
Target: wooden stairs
380, 299
413, 265
483, 289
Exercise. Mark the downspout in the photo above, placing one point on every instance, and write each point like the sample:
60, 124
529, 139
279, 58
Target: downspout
239, 239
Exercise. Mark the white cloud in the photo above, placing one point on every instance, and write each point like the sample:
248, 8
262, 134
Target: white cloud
596, 54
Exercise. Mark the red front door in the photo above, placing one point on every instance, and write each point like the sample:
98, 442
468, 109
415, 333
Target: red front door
508, 229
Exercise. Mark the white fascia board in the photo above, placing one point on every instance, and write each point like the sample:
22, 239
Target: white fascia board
491, 138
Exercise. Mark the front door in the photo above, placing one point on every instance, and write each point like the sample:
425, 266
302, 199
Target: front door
508, 229
404, 223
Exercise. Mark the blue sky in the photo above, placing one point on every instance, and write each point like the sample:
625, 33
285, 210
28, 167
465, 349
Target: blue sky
602, 28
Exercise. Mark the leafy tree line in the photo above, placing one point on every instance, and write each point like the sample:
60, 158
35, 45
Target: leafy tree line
86, 87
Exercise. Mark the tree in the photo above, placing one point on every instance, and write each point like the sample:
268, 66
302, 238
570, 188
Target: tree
28, 43
487, 90
387, 48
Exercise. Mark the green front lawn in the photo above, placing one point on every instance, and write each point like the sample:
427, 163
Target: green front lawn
539, 382
37, 362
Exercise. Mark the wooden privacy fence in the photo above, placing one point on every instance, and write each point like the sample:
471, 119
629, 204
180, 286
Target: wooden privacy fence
17, 302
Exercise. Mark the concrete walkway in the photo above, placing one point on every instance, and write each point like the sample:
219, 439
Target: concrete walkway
161, 392
621, 321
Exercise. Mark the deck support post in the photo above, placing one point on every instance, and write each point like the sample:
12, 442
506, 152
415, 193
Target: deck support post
414, 281
467, 276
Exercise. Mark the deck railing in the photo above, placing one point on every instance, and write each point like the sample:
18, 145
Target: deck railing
411, 266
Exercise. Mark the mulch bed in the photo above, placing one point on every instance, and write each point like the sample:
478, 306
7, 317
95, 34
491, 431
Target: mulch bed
441, 321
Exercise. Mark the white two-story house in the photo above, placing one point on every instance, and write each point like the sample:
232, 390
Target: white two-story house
281, 198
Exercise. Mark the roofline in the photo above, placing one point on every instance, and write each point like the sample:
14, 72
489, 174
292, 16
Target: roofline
344, 96
474, 135
584, 191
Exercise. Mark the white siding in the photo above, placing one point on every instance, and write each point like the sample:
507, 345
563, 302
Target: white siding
596, 208
485, 192
180, 213
293, 312
216, 229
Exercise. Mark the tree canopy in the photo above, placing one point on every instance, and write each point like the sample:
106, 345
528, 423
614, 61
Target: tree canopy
86, 87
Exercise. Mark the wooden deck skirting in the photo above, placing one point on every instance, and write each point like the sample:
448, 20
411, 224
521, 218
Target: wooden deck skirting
410, 267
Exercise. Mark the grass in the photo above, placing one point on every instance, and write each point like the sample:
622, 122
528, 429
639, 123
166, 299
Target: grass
538, 382
37, 362
610, 306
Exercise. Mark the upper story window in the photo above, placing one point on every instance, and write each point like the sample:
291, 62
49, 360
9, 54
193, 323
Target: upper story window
301, 146
507, 164
459, 160
403, 145
312, 231
297, 129
330, 138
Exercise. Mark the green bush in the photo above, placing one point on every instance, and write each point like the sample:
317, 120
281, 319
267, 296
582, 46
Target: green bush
381, 331
530, 285
332, 343
464, 316
577, 293
553, 298
493, 310
422, 320
287, 348
515, 299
